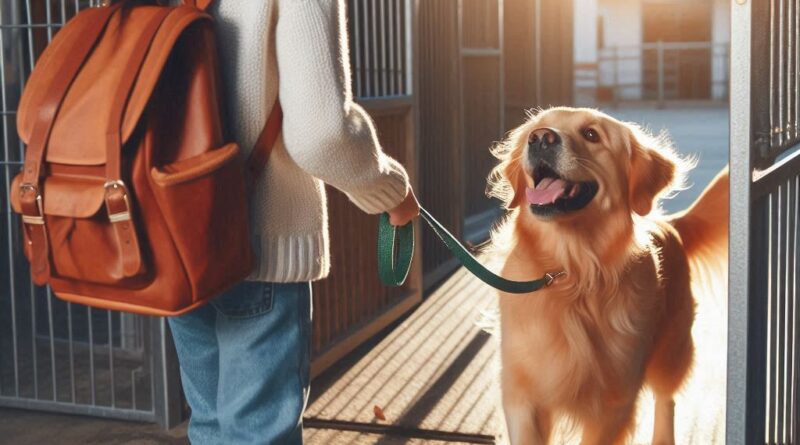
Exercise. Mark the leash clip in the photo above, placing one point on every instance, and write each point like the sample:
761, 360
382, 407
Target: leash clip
550, 277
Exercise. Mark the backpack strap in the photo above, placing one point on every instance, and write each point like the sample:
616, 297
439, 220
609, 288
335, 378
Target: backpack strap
94, 22
259, 156
199, 4
117, 200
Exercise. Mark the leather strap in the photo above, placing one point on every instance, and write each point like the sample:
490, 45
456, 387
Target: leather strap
30, 193
117, 196
259, 155
396, 250
199, 4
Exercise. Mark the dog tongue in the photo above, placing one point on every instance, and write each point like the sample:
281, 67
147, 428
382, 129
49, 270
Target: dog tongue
546, 191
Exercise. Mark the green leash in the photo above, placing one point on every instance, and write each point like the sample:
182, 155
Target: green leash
393, 266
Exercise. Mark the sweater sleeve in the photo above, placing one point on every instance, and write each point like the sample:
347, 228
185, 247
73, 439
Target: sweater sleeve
325, 132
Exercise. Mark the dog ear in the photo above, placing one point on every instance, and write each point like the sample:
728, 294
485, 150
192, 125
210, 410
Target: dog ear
653, 169
515, 176
507, 182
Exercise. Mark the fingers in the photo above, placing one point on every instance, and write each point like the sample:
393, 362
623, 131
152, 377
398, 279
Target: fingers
406, 211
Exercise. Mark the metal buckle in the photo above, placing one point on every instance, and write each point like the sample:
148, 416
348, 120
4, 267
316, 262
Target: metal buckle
119, 216
550, 277
33, 220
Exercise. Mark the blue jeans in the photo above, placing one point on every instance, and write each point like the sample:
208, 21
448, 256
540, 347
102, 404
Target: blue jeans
244, 362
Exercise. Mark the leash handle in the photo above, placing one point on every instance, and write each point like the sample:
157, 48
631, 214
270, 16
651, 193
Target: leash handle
396, 250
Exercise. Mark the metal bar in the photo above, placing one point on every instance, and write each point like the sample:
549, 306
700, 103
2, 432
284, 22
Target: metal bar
87, 410
34, 349
616, 92
501, 69
660, 70
407, 63
777, 297
737, 429
64, 12
52, 343
783, 71
773, 272
790, 70
393, 45
91, 355
111, 359
796, 67
357, 49
791, 227
481, 52
795, 339
133, 387
537, 52
31, 26
31, 56
381, 37
9, 225
49, 18
71, 354
373, 65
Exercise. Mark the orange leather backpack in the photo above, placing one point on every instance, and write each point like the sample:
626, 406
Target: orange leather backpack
131, 198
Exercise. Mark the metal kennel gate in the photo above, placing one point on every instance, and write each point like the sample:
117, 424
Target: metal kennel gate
57, 356
763, 320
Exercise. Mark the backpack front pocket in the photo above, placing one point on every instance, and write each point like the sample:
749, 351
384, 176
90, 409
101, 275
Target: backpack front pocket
84, 244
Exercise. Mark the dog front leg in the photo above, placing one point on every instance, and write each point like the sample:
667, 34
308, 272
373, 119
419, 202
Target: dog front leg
527, 425
613, 426
664, 425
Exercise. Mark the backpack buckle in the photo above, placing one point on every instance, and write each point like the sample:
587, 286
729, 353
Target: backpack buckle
36, 220
115, 215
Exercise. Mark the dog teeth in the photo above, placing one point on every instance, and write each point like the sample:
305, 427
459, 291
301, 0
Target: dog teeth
574, 190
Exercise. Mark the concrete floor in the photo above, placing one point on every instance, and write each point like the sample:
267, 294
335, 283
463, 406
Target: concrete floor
434, 377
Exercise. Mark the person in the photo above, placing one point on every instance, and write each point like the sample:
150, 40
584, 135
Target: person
244, 358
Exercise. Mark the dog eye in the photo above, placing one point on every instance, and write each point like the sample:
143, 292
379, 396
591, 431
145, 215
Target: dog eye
591, 135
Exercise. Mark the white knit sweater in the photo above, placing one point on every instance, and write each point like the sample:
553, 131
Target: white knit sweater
297, 49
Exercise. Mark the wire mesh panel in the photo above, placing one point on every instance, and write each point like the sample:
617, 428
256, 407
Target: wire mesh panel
56, 355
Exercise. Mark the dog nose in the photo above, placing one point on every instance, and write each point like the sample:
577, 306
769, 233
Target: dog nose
544, 138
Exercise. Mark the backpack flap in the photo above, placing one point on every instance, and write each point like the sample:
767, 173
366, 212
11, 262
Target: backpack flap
78, 136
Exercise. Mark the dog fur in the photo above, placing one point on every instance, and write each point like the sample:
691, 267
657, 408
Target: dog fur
622, 315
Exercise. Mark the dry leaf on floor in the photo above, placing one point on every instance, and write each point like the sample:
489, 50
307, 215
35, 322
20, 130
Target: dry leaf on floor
378, 412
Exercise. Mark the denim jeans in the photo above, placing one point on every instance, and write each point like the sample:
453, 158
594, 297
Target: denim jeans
244, 362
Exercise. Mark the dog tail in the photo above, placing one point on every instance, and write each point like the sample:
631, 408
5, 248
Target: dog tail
703, 228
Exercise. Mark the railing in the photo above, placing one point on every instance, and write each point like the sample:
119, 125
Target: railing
660, 72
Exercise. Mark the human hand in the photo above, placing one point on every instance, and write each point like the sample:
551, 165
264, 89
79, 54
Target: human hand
407, 210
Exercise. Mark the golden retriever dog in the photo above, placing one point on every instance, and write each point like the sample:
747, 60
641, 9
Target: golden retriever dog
583, 190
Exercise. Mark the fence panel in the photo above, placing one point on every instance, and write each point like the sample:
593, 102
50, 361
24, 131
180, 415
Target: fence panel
763, 366
482, 104
56, 355
441, 175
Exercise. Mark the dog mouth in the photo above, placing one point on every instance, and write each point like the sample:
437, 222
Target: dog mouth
553, 194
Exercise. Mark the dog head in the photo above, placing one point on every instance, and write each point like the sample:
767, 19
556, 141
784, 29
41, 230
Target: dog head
570, 163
